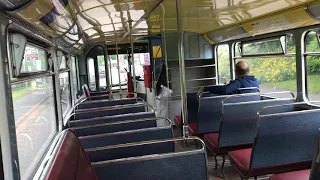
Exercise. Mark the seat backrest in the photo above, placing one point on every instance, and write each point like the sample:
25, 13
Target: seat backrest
192, 105
115, 127
88, 105
191, 165
210, 111
124, 137
288, 138
70, 161
108, 112
239, 120
124, 151
110, 119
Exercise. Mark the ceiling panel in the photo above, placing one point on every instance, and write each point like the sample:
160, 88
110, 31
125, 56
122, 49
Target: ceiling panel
99, 18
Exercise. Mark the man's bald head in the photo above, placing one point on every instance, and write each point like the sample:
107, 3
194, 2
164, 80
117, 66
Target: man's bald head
242, 69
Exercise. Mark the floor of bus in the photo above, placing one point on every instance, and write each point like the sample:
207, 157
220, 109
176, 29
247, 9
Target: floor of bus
230, 171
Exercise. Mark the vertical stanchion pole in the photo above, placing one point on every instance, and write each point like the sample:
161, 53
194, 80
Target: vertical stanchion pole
118, 65
132, 59
182, 71
106, 62
165, 56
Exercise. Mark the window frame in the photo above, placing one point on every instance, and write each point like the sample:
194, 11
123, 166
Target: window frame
217, 62
75, 98
27, 74
88, 73
32, 78
285, 54
305, 55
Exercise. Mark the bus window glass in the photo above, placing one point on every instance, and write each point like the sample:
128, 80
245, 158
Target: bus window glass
102, 73
270, 46
237, 50
74, 80
313, 67
34, 60
223, 63
291, 44
123, 64
65, 92
91, 75
35, 120
63, 64
274, 74
312, 43
140, 60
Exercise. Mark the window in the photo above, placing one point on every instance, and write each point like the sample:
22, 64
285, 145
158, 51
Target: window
34, 60
223, 63
74, 78
63, 63
91, 75
269, 46
102, 73
313, 66
35, 120
274, 74
141, 59
65, 92
123, 63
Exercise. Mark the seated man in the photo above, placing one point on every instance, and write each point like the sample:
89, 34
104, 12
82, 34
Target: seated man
243, 80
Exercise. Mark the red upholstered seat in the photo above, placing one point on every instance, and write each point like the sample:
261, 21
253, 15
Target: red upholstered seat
193, 129
211, 140
178, 121
71, 162
240, 159
296, 175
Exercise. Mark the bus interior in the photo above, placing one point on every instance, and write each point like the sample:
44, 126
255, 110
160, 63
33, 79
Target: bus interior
112, 90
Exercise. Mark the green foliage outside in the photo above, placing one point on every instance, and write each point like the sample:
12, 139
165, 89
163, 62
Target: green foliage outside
279, 72
100, 61
17, 94
223, 63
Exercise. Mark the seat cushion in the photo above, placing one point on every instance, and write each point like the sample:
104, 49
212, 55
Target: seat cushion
193, 129
70, 161
240, 159
296, 175
178, 121
211, 140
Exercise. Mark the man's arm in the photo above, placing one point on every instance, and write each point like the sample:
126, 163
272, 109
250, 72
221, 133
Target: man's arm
230, 88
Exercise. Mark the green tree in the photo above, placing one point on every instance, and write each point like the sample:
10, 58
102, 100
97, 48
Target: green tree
100, 60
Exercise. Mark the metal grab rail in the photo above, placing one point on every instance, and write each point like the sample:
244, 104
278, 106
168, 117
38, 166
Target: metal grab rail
290, 104
203, 146
125, 122
83, 100
104, 109
123, 132
200, 79
109, 100
106, 95
105, 101
105, 117
261, 94
109, 108
193, 67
